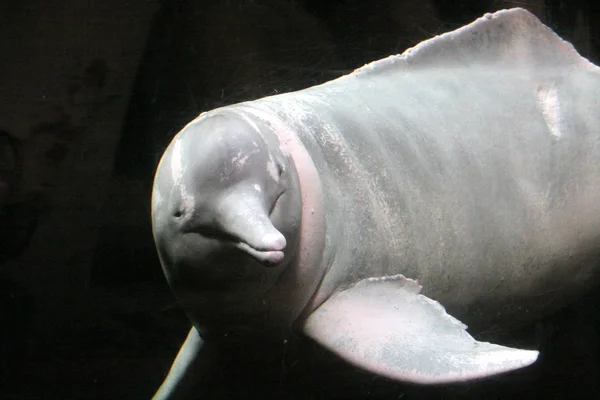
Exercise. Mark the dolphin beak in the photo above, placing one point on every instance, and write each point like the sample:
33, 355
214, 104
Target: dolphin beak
269, 258
249, 223
261, 240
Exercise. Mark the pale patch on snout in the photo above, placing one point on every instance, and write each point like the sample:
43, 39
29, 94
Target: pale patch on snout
257, 187
177, 171
550, 108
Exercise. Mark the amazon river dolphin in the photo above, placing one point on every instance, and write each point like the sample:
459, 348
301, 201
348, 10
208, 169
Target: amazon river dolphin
378, 213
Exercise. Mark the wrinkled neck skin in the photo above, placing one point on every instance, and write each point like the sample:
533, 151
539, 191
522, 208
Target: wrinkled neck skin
221, 239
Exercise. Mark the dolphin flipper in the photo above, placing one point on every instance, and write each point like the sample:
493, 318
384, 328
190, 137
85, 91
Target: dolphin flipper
193, 359
385, 326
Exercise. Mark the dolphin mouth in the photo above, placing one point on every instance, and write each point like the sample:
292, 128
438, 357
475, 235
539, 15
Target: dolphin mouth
269, 257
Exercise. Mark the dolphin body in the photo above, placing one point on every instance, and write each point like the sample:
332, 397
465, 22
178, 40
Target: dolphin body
462, 175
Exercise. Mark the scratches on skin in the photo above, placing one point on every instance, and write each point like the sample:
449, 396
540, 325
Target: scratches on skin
239, 160
549, 105
177, 172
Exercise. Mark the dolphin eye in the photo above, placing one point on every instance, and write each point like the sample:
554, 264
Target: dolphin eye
280, 169
275, 203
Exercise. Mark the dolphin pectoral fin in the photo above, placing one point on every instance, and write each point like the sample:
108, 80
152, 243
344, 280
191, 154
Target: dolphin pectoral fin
385, 326
194, 359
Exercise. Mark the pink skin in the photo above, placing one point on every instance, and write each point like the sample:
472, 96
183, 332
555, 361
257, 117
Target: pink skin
298, 285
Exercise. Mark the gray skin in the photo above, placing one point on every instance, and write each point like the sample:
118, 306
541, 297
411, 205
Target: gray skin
469, 163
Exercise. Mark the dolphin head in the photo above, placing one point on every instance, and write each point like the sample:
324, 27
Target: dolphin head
226, 210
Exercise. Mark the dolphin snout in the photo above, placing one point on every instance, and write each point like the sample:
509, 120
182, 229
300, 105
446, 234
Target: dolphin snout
269, 249
268, 258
